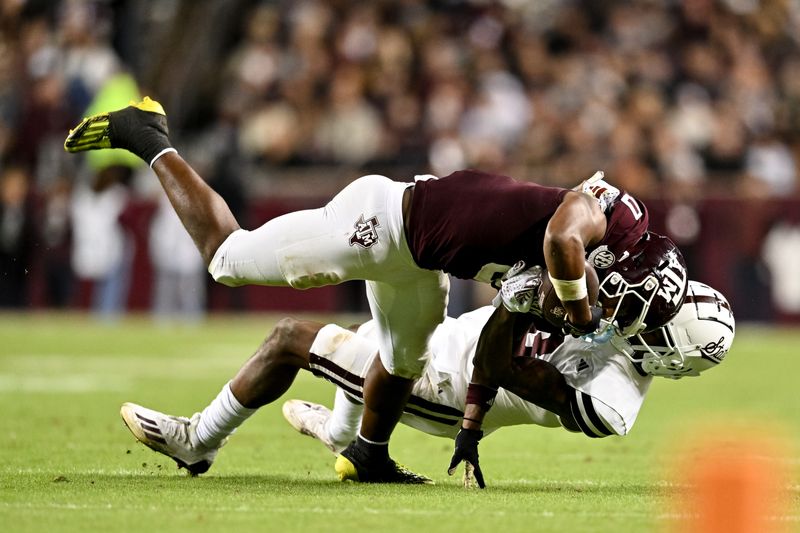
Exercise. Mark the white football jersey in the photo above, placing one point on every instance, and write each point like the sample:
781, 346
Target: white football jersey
609, 390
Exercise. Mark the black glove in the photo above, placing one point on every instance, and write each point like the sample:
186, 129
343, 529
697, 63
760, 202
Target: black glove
467, 450
578, 330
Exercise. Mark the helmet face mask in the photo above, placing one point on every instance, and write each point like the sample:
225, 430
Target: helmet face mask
645, 290
697, 339
620, 296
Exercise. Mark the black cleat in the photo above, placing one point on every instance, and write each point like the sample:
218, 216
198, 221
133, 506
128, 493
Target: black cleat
351, 466
140, 128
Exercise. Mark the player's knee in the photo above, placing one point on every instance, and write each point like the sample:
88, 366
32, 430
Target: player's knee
277, 348
280, 338
227, 271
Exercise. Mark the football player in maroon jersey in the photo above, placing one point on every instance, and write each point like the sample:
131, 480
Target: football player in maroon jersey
402, 239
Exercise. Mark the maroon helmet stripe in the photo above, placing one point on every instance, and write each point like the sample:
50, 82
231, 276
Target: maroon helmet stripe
690, 299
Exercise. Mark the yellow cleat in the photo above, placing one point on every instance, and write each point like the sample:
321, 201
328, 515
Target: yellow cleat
149, 105
140, 128
90, 134
345, 470
349, 468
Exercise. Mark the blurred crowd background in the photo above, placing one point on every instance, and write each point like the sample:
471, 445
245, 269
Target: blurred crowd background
691, 105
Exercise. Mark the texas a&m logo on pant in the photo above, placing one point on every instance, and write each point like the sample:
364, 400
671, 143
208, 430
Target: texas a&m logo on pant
365, 234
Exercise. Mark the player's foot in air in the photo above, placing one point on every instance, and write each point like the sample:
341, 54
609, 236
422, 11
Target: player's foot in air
353, 465
140, 128
173, 436
311, 419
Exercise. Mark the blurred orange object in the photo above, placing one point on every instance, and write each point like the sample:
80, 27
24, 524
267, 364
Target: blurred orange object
734, 486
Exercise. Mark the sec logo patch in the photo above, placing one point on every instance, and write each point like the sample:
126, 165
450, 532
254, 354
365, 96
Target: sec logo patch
602, 257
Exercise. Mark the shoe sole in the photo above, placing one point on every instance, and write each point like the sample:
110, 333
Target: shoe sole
132, 421
90, 134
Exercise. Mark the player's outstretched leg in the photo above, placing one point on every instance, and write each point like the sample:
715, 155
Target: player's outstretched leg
140, 128
368, 460
173, 436
193, 442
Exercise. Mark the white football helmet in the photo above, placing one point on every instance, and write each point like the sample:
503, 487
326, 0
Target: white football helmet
698, 338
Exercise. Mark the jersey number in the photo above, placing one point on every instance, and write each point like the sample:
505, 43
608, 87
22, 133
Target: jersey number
632, 205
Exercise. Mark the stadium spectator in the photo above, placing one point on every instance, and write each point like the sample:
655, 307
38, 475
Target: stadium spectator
680, 98
56, 235
483, 77
102, 251
17, 237
179, 285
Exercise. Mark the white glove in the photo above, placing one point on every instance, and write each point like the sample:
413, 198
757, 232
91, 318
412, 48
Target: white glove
518, 293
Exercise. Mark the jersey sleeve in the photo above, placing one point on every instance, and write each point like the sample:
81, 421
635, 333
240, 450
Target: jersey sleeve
596, 419
627, 221
607, 393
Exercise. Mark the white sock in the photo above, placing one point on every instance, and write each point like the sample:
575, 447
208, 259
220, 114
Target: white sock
344, 423
221, 418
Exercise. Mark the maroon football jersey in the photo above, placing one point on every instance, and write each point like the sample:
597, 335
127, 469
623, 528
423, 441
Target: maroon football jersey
474, 224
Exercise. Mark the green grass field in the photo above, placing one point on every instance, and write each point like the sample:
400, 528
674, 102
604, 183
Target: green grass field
67, 463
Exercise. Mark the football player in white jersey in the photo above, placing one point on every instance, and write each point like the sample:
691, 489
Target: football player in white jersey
581, 384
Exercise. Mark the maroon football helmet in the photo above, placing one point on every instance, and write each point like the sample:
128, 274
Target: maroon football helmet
646, 288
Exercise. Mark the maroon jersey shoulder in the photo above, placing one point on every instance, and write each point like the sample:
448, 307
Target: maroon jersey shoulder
627, 223
469, 219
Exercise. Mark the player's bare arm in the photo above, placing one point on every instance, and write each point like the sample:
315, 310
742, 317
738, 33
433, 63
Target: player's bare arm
492, 356
533, 380
577, 224
539, 382
203, 212
496, 344
493, 367
492, 362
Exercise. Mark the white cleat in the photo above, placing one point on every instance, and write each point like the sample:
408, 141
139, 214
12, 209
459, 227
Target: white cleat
311, 419
172, 436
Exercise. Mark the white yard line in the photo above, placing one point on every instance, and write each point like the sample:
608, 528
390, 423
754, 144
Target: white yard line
335, 510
